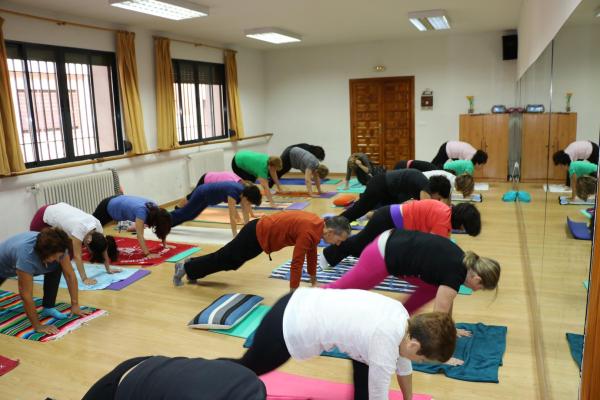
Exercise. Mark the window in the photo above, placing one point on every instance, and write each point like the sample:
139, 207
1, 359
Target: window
66, 103
199, 100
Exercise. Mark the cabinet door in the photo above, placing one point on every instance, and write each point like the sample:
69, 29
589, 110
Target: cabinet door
534, 154
563, 130
495, 143
471, 131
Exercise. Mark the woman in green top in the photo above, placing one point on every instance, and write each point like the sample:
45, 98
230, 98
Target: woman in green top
582, 184
250, 166
459, 167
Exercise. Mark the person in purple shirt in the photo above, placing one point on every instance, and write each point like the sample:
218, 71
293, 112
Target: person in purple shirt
140, 210
40, 253
211, 194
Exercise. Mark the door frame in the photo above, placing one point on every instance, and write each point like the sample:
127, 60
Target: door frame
411, 81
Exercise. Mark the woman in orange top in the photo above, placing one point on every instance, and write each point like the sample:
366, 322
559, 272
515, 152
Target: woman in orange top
429, 216
300, 229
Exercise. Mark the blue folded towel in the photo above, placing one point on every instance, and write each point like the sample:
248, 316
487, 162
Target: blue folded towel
576, 347
482, 354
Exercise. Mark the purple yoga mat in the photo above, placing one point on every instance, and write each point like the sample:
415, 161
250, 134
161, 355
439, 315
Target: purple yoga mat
301, 205
327, 195
139, 274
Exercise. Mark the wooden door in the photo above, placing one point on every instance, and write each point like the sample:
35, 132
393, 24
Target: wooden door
495, 144
382, 118
534, 153
563, 130
471, 131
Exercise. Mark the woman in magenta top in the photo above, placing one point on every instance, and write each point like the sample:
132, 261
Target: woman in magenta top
456, 150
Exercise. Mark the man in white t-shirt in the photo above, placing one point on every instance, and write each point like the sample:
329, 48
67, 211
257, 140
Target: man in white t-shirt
375, 331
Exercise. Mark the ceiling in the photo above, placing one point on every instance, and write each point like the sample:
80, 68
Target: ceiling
319, 22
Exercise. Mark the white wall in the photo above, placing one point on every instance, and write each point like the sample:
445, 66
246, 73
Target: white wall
161, 177
539, 22
307, 89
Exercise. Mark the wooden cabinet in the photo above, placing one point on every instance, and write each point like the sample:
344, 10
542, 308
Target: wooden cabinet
488, 132
542, 136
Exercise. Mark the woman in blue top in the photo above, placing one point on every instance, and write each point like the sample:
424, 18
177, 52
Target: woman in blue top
139, 210
211, 194
40, 253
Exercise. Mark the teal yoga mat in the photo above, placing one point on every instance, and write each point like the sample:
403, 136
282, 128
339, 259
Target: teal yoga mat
586, 284
183, 254
248, 325
354, 187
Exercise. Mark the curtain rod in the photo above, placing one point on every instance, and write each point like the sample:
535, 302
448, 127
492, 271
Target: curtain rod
59, 21
195, 44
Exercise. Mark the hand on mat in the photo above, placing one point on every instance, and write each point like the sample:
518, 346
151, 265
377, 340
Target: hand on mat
454, 362
47, 329
463, 333
168, 246
75, 310
313, 280
113, 271
153, 255
89, 281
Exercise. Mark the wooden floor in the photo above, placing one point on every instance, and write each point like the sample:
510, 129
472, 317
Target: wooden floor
150, 317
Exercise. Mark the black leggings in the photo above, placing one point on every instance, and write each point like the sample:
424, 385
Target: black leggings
242, 173
441, 157
101, 212
233, 255
51, 283
269, 351
106, 387
376, 194
380, 222
593, 158
286, 162
200, 182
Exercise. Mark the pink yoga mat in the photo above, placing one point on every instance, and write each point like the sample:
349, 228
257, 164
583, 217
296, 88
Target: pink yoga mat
282, 386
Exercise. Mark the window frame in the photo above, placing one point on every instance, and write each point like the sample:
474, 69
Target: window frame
59, 53
175, 62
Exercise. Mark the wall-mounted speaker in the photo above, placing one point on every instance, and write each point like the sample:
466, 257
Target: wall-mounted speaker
510, 47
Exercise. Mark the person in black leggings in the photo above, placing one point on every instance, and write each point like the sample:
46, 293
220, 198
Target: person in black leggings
316, 151
177, 378
396, 187
419, 165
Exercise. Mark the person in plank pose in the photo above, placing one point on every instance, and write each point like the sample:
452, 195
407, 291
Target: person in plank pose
429, 216
316, 151
313, 169
398, 186
182, 378
375, 332
456, 150
40, 253
463, 183
212, 177
433, 263
300, 229
250, 166
582, 175
84, 230
211, 194
360, 165
419, 165
139, 210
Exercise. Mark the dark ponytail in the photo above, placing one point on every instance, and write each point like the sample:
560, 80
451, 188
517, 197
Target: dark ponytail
159, 220
111, 249
99, 244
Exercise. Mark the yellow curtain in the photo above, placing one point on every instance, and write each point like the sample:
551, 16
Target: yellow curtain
130, 94
11, 158
233, 98
165, 95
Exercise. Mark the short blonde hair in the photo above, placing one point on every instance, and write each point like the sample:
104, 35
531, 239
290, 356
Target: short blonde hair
465, 184
585, 187
322, 171
275, 161
486, 268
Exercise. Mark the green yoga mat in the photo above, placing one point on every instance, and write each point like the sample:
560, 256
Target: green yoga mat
354, 187
182, 255
586, 213
248, 324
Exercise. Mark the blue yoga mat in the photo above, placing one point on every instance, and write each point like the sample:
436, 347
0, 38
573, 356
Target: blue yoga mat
576, 347
579, 230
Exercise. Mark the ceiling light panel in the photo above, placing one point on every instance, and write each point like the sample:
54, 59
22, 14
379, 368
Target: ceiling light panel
429, 20
272, 35
171, 9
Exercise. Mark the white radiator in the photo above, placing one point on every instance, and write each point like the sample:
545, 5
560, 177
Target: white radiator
84, 192
203, 162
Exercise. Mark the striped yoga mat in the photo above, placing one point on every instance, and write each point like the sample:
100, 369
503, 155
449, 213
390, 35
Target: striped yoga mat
390, 284
14, 321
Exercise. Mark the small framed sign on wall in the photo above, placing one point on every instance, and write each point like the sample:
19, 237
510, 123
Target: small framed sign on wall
427, 99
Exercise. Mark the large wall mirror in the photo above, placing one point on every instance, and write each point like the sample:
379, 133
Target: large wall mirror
565, 80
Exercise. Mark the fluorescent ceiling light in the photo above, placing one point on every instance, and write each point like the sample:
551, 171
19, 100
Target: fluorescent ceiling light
171, 9
429, 20
272, 35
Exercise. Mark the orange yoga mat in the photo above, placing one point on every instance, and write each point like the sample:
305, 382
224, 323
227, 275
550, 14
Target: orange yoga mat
214, 215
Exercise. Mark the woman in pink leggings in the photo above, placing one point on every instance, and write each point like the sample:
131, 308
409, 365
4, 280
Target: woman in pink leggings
433, 263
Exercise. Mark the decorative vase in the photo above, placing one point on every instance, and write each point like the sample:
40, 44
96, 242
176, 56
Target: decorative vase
471, 100
568, 106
